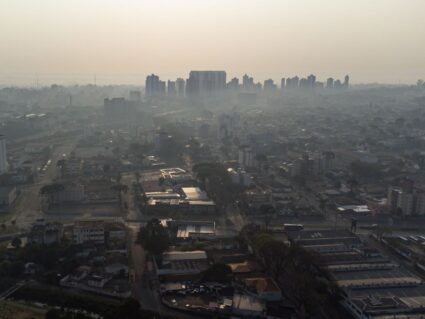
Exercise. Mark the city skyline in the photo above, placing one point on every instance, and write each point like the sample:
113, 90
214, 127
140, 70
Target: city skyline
373, 42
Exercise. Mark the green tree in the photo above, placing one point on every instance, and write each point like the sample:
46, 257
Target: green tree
154, 237
54, 314
16, 242
267, 211
275, 255
218, 272
50, 190
322, 204
161, 181
216, 180
129, 309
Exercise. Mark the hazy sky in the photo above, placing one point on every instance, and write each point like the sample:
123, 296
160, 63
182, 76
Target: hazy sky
68, 41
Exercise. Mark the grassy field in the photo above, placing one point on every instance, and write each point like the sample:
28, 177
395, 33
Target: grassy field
15, 310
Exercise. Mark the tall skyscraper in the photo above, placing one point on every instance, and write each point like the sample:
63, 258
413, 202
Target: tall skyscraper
269, 86
233, 85
247, 83
171, 88
292, 83
206, 83
282, 84
330, 83
3, 155
304, 84
337, 84
181, 87
154, 86
346, 82
311, 81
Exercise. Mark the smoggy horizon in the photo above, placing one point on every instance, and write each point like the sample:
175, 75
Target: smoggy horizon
120, 42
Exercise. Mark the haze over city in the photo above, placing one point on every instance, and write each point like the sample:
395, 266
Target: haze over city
221, 159
69, 42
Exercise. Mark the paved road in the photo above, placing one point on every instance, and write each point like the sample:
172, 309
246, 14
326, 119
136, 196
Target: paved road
29, 204
11, 290
143, 278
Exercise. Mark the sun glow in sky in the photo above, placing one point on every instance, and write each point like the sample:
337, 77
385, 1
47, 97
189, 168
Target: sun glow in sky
121, 41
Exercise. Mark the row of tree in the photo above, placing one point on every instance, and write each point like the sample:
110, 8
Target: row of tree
295, 269
215, 179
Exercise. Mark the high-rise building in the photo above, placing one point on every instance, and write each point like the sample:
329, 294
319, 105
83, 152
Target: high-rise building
346, 82
154, 86
269, 86
337, 84
245, 157
311, 81
304, 83
399, 200
330, 83
247, 83
420, 204
282, 84
292, 83
392, 199
135, 96
233, 85
161, 88
3, 155
405, 202
180, 86
171, 88
206, 83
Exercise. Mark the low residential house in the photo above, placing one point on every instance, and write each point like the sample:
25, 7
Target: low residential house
116, 231
263, 287
191, 230
98, 281
46, 234
248, 306
89, 231
116, 269
181, 264
69, 167
79, 274
246, 267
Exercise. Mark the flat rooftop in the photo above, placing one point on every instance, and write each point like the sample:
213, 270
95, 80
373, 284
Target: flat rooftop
186, 231
376, 278
397, 300
320, 234
194, 193
184, 255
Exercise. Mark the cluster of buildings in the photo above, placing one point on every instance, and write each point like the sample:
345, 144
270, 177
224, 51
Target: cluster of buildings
311, 83
101, 251
314, 164
249, 292
178, 195
372, 285
405, 200
214, 83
